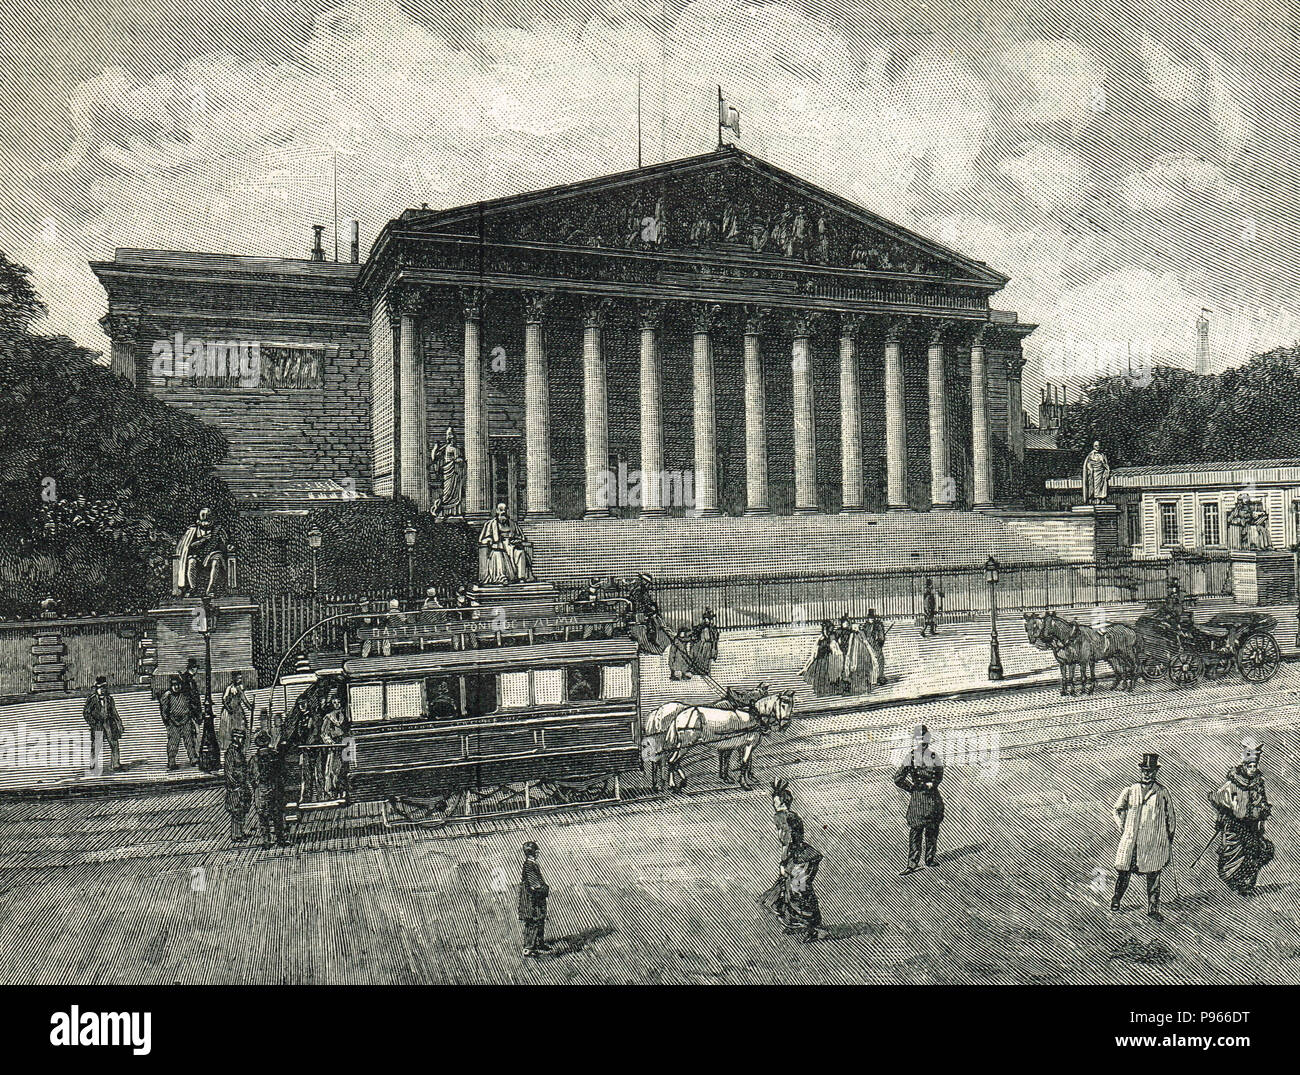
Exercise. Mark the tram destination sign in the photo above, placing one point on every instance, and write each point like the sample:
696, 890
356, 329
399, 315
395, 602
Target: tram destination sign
399, 625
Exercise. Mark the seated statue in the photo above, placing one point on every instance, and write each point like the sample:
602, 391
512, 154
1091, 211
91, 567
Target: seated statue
202, 547
508, 552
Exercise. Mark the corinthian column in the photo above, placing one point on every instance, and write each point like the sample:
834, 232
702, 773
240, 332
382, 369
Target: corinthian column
123, 327
706, 434
476, 424
981, 454
595, 401
755, 416
652, 424
895, 422
805, 438
537, 405
850, 415
942, 488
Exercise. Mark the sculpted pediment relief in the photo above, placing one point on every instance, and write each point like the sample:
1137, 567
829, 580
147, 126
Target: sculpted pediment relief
726, 208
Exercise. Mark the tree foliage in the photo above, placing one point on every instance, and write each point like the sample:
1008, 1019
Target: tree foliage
97, 478
1250, 412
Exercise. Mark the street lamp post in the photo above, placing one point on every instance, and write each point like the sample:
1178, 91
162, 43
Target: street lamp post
209, 750
995, 657
313, 542
409, 535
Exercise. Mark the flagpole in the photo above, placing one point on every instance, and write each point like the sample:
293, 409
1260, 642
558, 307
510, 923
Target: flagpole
638, 117
719, 117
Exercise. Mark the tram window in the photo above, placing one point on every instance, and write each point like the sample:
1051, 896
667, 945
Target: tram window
616, 681
514, 690
583, 682
480, 695
442, 697
366, 702
405, 700
548, 686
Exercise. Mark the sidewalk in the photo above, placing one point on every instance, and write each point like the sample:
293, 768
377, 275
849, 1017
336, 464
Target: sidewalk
953, 663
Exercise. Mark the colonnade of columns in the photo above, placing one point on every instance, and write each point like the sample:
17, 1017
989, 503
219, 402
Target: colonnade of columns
706, 322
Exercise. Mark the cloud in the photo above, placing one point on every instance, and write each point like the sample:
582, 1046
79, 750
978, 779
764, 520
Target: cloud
1052, 81
1174, 178
1049, 175
1167, 78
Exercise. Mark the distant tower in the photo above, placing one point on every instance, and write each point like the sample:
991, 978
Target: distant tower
1203, 344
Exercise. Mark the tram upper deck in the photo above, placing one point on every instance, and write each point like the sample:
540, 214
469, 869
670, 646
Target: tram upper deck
514, 690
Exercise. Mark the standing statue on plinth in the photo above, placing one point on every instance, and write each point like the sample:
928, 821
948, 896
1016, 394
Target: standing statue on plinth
450, 462
202, 547
1096, 475
509, 553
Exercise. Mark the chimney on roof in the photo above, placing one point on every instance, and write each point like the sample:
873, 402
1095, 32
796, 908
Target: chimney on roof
1203, 344
317, 250
355, 227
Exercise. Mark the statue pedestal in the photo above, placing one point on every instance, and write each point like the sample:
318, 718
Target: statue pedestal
1105, 527
1263, 576
181, 628
515, 599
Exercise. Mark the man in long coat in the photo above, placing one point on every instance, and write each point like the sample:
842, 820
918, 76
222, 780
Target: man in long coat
1144, 815
1243, 807
239, 786
100, 714
267, 770
533, 893
919, 776
176, 716
876, 633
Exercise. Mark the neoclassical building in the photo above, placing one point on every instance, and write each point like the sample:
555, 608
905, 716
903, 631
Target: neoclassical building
706, 337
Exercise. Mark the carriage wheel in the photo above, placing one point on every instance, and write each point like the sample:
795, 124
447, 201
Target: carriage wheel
1185, 669
1154, 669
1258, 658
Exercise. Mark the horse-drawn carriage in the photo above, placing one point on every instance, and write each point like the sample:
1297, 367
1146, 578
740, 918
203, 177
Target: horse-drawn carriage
1177, 647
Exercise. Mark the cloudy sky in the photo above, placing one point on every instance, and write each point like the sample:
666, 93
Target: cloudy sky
1127, 165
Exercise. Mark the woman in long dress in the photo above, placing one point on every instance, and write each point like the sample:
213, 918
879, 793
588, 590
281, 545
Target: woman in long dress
803, 913
860, 660
679, 656
1243, 808
822, 671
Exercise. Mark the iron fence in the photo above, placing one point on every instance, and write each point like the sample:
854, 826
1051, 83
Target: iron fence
777, 600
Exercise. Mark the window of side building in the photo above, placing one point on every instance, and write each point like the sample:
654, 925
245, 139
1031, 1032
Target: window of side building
1168, 522
1211, 524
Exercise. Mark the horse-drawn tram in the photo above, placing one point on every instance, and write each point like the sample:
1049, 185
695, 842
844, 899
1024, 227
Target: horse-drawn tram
520, 702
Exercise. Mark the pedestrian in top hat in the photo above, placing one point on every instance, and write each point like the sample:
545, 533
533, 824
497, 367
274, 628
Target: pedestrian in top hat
100, 714
533, 893
193, 692
175, 709
1243, 807
239, 786
919, 776
1144, 815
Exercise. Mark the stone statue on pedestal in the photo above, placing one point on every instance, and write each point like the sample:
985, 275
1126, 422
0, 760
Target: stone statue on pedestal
448, 460
508, 553
1096, 475
1250, 519
203, 547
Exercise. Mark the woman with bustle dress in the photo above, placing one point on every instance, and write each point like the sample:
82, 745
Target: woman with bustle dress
803, 913
1243, 808
824, 667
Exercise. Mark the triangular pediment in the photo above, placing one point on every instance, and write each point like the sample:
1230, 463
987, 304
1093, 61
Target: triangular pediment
722, 202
